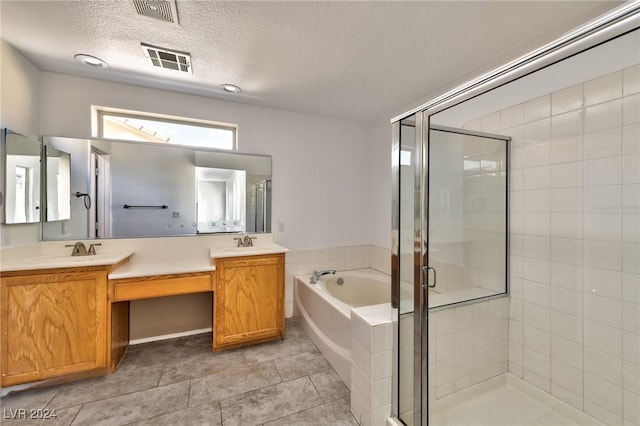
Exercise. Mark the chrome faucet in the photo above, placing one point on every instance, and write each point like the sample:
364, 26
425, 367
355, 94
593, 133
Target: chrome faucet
318, 274
245, 241
79, 249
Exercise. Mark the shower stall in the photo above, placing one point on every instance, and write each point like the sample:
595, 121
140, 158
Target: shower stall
516, 229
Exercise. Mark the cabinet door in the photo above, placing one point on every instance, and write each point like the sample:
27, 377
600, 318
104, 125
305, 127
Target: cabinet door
249, 299
53, 325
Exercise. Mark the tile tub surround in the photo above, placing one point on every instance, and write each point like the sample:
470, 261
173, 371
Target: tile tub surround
575, 243
180, 381
301, 262
371, 363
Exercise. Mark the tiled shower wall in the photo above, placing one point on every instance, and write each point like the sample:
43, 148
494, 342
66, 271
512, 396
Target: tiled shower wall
575, 243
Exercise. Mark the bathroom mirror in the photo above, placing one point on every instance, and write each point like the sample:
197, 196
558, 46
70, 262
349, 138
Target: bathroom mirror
21, 178
123, 189
58, 188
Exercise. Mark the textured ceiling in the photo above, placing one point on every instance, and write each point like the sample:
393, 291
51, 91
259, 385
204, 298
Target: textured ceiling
354, 60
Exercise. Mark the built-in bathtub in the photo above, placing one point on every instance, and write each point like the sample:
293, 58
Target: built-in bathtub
324, 309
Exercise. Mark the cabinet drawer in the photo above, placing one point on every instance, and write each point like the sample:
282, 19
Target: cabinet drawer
159, 286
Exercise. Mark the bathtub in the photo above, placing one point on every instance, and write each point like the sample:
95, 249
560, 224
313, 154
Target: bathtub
324, 310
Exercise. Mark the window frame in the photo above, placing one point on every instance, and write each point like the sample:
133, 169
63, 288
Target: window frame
102, 112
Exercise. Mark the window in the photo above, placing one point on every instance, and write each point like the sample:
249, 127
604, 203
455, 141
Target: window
174, 131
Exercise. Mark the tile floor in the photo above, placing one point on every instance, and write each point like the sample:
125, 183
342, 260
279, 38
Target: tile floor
505, 401
181, 382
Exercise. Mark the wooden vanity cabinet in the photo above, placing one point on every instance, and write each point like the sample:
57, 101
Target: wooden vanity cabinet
248, 300
54, 323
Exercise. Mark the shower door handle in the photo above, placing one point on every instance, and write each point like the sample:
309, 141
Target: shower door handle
425, 277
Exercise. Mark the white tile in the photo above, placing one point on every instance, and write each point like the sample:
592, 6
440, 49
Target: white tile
512, 116
382, 338
381, 393
567, 351
537, 108
543, 383
603, 254
565, 150
567, 250
603, 338
445, 323
362, 384
537, 363
631, 318
490, 123
537, 154
537, 247
539, 201
566, 301
536, 177
537, 316
567, 326
537, 293
603, 144
362, 331
565, 125
631, 258
602, 89
605, 171
566, 200
516, 180
603, 227
516, 159
631, 168
607, 417
631, 139
603, 310
566, 175
603, 116
603, 393
563, 394
566, 225
631, 198
603, 199
566, 275
631, 377
631, 288
361, 358
603, 282
567, 376
537, 270
537, 339
568, 99
631, 412
631, 110
631, 80
630, 347
603, 366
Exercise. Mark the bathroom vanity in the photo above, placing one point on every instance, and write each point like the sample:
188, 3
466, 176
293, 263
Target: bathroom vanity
68, 317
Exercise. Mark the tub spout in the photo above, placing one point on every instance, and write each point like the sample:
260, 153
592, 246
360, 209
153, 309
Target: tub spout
318, 274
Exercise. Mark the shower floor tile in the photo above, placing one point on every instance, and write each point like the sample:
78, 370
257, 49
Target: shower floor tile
506, 401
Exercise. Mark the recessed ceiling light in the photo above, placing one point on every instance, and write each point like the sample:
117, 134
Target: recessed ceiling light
91, 61
231, 88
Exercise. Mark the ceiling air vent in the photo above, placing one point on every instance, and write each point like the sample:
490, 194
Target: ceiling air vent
164, 10
160, 57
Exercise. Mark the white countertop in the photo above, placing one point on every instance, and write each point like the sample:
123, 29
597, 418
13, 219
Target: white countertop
68, 261
147, 269
147, 257
222, 252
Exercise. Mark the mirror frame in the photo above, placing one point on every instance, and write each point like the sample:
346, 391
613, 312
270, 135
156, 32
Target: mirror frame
5, 133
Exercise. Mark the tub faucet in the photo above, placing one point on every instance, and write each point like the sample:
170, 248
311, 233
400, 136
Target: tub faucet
318, 274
